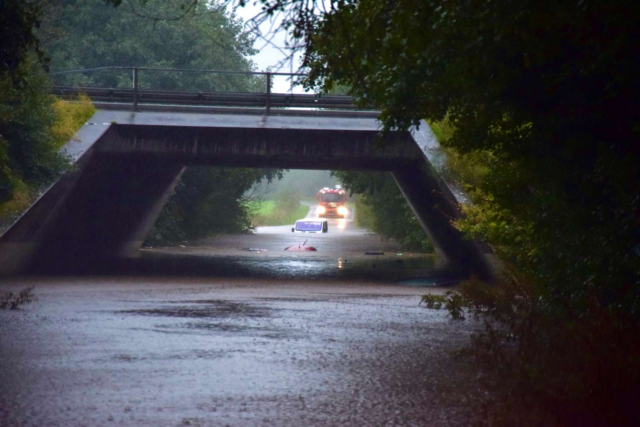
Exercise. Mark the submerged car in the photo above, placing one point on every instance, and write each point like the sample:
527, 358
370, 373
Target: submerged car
315, 225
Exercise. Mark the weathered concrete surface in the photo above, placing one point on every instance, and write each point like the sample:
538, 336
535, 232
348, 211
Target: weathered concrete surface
111, 208
20, 242
105, 208
435, 207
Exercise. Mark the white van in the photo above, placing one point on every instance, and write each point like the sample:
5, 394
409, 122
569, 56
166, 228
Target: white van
315, 225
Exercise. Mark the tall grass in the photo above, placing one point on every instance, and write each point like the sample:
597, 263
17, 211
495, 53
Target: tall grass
70, 116
285, 209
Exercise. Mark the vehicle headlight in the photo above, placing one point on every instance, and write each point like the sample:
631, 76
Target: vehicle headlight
342, 210
321, 210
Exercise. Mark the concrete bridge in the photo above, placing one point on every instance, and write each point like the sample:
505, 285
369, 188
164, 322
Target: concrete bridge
127, 163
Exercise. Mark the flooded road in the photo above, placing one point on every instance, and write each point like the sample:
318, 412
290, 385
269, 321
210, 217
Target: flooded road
231, 352
212, 334
346, 252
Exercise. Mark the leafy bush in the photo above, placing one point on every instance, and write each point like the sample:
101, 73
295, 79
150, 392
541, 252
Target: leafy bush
284, 210
560, 328
207, 201
33, 126
70, 116
11, 301
563, 368
28, 152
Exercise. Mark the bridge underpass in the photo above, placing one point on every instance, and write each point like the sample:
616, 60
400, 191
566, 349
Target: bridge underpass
128, 162
202, 349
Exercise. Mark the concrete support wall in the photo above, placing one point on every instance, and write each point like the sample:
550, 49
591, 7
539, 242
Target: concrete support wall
107, 214
435, 207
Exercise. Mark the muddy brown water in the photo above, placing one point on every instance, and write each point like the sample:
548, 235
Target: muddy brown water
291, 341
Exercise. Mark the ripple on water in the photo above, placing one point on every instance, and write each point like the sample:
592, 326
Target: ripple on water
203, 309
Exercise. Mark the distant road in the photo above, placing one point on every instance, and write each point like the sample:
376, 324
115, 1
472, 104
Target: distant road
337, 226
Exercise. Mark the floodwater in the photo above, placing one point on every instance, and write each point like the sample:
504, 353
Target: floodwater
341, 255
295, 345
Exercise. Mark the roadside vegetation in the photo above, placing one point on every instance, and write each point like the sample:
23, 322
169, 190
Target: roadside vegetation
11, 301
208, 201
559, 354
278, 202
284, 209
33, 127
70, 116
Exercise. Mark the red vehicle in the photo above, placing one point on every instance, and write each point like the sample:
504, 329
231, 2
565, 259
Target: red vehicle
331, 202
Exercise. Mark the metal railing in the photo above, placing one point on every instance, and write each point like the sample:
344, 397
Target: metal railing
265, 101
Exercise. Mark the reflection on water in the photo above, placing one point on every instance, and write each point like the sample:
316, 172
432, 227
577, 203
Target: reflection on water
388, 268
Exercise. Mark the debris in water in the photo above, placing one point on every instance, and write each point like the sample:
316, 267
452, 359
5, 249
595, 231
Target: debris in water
425, 281
300, 248
418, 281
374, 253
254, 250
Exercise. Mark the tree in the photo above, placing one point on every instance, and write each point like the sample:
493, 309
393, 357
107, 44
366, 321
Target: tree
547, 95
183, 34
18, 21
164, 34
208, 201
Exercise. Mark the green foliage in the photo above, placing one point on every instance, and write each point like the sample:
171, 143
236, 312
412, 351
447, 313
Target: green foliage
28, 153
11, 301
18, 20
533, 85
433, 301
563, 354
70, 116
207, 201
262, 207
284, 210
387, 212
304, 182
364, 217
553, 369
451, 301
193, 34
88, 33
287, 200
